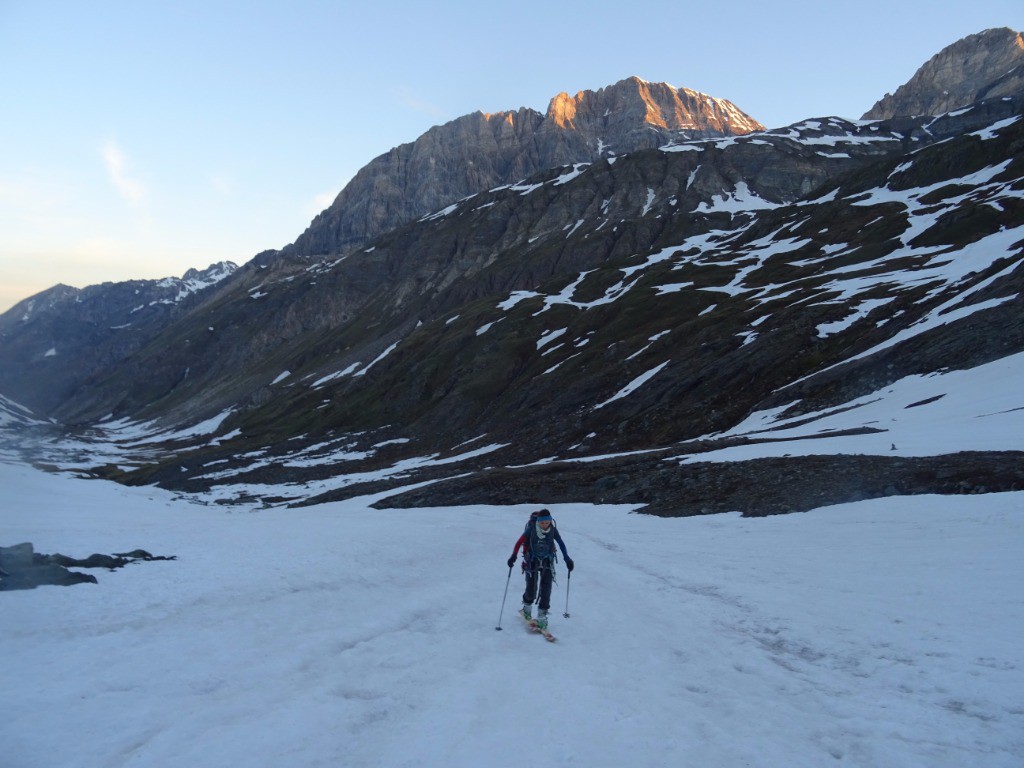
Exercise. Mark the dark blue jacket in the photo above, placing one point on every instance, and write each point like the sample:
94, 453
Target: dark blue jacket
536, 548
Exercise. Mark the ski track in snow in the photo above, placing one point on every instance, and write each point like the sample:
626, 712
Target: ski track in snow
873, 634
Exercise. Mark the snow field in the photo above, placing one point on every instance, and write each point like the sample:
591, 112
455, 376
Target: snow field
978, 409
884, 633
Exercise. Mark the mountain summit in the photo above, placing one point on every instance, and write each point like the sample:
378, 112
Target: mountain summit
982, 66
634, 104
481, 151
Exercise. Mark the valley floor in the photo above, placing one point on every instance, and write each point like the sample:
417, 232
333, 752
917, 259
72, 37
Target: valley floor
883, 633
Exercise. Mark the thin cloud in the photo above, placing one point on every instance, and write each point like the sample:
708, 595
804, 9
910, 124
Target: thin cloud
417, 104
29, 203
223, 185
116, 161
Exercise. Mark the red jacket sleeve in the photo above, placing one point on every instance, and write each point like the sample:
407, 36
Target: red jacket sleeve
520, 543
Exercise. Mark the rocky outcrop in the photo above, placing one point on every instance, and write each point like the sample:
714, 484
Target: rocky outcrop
987, 65
480, 151
755, 488
21, 567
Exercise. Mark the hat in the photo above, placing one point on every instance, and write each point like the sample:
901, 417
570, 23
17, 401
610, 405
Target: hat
543, 516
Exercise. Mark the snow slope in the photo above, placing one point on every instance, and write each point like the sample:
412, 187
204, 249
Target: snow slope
883, 633
977, 409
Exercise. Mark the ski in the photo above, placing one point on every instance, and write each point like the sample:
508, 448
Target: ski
531, 626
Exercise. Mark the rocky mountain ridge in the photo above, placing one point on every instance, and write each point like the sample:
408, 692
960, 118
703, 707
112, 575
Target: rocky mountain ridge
481, 151
987, 65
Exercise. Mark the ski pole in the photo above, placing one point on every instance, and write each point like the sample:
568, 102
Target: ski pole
568, 578
502, 612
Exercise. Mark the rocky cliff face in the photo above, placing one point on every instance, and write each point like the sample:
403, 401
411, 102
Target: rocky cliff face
982, 66
634, 105
480, 151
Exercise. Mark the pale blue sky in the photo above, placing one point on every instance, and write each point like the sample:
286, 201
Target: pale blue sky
139, 139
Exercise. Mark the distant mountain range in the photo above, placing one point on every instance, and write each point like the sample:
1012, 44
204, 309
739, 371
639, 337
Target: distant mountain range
54, 340
524, 306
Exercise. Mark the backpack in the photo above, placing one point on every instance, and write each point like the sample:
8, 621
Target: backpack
533, 519
528, 532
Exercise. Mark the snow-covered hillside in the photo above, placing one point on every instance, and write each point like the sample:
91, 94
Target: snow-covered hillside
884, 633
13, 414
980, 409
977, 409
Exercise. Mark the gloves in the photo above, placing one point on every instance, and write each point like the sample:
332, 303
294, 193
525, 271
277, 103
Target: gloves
569, 564
511, 561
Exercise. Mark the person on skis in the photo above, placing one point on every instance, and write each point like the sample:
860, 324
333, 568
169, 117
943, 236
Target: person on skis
539, 558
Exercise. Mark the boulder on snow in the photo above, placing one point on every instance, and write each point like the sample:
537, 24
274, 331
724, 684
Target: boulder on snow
23, 568
20, 568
